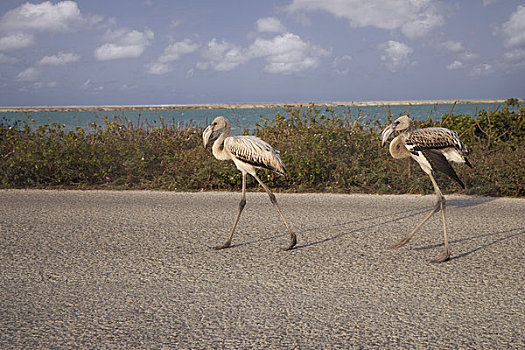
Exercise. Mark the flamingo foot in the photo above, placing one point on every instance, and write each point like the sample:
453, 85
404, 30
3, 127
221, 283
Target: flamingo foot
442, 258
292, 244
400, 243
227, 244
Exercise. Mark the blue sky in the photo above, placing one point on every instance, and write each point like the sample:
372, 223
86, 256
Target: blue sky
252, 51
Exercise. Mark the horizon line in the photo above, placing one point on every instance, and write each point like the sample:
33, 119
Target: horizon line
67, 108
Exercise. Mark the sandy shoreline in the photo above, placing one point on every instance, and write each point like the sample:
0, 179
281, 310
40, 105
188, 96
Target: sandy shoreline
233, 105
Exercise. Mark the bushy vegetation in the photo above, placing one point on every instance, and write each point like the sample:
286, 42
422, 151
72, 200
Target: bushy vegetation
322, 151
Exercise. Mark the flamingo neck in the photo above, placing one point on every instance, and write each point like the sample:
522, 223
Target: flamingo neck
397, 148
218, 146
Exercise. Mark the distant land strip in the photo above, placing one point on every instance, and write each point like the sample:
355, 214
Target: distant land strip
81, 108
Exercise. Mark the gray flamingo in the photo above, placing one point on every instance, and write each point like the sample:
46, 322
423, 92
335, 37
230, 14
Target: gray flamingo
433, 149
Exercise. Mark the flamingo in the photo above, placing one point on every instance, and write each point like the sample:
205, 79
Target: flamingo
433, 149
248, 153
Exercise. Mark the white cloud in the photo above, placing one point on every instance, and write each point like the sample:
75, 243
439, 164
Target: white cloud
108, 52
513, 34
59, 59
483, 69
60, 17
468, 55
284, 54
30, 74
19, 26
453, 46
88, 85
16, 41
341, 65
158, 68
396, 55
489, 2
172, 53
515, 55
176, 50
415, 18
455, 65
40, 84
461, 53
223, 56
270, 25
513, 30
422, 24
124, 36
287, 53
123, 43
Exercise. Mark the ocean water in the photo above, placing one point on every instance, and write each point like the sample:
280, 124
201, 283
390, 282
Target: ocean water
240, 118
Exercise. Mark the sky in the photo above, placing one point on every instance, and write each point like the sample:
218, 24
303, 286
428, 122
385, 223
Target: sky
126, 52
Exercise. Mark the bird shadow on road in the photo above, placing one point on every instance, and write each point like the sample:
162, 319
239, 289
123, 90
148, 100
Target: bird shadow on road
465, 202
410, 213
520, 231
461, 202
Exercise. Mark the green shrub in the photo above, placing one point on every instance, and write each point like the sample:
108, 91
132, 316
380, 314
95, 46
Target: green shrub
322, 151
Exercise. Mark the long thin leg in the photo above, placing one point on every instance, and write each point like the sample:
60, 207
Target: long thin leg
241, 207
293, 237
440, 205
405, 240
446, 252
441, 202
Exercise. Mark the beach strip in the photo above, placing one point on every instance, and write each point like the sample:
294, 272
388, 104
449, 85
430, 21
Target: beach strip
79, 108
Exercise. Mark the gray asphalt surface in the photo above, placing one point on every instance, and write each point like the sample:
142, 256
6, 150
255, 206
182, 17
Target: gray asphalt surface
102, 269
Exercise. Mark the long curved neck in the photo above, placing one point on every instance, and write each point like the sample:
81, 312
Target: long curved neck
398, 149
218, 145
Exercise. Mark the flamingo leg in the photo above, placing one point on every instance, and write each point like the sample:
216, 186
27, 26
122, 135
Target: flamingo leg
405, 240
293, 237
446, 252
440, 205
242, 203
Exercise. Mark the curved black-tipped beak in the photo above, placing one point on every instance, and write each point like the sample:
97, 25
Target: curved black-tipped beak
387, 132
206, 134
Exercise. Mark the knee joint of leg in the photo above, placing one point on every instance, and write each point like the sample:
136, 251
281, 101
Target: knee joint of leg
242, 203
439, 204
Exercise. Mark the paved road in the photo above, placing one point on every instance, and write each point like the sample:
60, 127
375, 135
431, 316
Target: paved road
136, 270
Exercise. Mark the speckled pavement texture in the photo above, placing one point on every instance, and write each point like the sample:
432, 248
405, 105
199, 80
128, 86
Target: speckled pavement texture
136, 269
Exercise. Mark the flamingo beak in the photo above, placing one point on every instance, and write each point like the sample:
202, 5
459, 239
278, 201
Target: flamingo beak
206, 134
387, 132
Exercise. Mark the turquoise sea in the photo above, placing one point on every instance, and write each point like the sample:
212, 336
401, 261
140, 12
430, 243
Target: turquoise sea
240, 118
